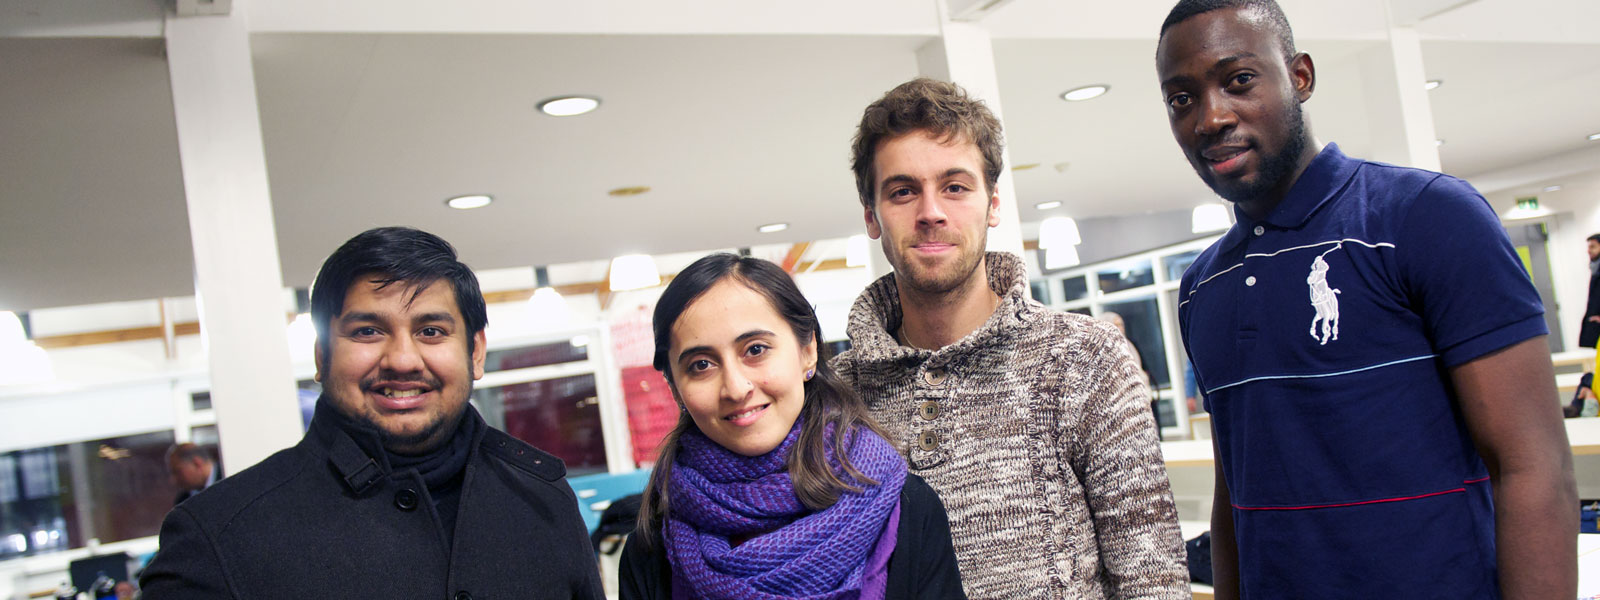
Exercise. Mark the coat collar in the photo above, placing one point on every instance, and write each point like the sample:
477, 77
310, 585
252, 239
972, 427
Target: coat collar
877, 314
356, 452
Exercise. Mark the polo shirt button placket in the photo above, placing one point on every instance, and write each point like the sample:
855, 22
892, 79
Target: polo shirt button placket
1260, 230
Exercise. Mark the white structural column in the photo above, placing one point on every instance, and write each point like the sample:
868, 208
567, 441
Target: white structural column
963, 54
1400, 118
238, 281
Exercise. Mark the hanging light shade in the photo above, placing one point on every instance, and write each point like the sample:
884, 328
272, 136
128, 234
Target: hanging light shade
633, 272
1210, 217
302, 337
855, 253
1058, 232
1061, 258
548, 309
21, 361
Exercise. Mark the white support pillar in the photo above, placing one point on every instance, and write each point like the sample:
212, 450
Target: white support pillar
964, 55
238, 281
1398, 112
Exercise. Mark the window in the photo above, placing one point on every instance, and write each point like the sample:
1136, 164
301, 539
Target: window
539, 355
59, 497
1176, 264
560, 416
1074, 288
1126, 276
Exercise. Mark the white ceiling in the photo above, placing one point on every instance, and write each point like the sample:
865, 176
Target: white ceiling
730, 131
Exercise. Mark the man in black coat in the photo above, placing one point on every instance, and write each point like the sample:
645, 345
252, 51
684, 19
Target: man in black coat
399, 489
1590, 331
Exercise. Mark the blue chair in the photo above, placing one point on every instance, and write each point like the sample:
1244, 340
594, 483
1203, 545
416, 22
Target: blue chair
596, 492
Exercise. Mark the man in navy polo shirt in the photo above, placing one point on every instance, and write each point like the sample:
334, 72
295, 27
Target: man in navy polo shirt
1369, 345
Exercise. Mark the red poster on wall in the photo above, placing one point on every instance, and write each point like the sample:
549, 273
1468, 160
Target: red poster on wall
651, 411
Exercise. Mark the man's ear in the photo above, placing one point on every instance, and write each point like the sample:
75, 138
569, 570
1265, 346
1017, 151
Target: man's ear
316, 353
874, 230
480, 350
1303, 75
994, 208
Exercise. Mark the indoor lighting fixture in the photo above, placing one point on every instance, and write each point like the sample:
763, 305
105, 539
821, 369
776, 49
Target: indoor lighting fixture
469, 202
1528, 208
1437, 143
302, 337
1048, 205
856, 250
1432, 83
1061, 258
772, 227
1085, 93
1058, 232
1553, 188
1209, 217
546, 307
633, 272
568, 106
21, 360
1594, 136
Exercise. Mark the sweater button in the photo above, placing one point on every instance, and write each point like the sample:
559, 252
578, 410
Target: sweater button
463, 595
928, 441
934, 376
929, 410
406, 499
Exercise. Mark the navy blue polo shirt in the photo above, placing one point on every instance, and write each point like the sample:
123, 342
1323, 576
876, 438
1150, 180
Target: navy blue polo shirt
1322, 338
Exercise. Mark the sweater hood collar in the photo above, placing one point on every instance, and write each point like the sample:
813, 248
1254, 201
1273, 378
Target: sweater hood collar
877, 313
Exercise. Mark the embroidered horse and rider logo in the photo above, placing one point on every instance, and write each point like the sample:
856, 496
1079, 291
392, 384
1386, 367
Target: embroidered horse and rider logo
1324, 300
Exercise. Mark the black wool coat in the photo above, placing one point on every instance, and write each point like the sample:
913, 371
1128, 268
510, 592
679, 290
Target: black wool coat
326, 520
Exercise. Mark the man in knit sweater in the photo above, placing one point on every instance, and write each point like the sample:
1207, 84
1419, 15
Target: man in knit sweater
1033, 425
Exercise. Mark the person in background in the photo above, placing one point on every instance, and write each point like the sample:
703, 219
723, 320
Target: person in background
775, 483
1589, 331
1033, 425
191, 469
1370, 348
399, 489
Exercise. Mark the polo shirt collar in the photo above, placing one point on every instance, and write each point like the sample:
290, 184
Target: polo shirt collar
1323, 179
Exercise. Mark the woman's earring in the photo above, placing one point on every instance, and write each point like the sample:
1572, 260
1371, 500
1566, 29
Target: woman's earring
809, 373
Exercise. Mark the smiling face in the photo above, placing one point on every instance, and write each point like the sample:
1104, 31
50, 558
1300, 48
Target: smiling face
738, 368
932, 211
398, 360
1233, 101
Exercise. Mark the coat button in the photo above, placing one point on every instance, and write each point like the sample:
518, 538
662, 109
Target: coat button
1260, 230
463, 595
928, 441
929, 410
406, 499
933, 376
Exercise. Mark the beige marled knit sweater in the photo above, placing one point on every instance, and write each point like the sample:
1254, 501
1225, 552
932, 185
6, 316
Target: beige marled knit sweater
1036, 431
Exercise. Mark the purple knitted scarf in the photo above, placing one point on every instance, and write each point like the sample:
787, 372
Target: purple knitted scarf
718, 494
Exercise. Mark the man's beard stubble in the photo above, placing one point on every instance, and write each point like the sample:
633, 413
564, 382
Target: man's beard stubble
1274, 168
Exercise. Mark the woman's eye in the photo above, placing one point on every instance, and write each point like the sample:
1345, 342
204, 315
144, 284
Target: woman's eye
699, 366
758, 349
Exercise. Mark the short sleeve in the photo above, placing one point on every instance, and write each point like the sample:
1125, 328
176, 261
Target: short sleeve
1462, 275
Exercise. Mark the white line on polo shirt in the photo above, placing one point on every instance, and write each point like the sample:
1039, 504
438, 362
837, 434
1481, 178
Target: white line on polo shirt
1266, 377
1219, 273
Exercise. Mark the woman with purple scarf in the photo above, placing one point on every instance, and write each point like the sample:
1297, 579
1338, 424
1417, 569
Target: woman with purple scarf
775, 483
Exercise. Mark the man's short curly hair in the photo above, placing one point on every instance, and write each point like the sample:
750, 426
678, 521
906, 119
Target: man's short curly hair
937, 107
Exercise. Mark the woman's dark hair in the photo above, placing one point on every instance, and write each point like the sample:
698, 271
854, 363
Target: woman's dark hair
827, 398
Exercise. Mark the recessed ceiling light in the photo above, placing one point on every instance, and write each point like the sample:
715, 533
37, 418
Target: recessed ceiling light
1438, 142
469, 202
567, 106
1553, 188
1432, 83
629, 191
772, 227
1594, 136
1025, 167
1085, 93
1048, 205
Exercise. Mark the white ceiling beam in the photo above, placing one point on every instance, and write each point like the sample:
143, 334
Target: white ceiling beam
692, 17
